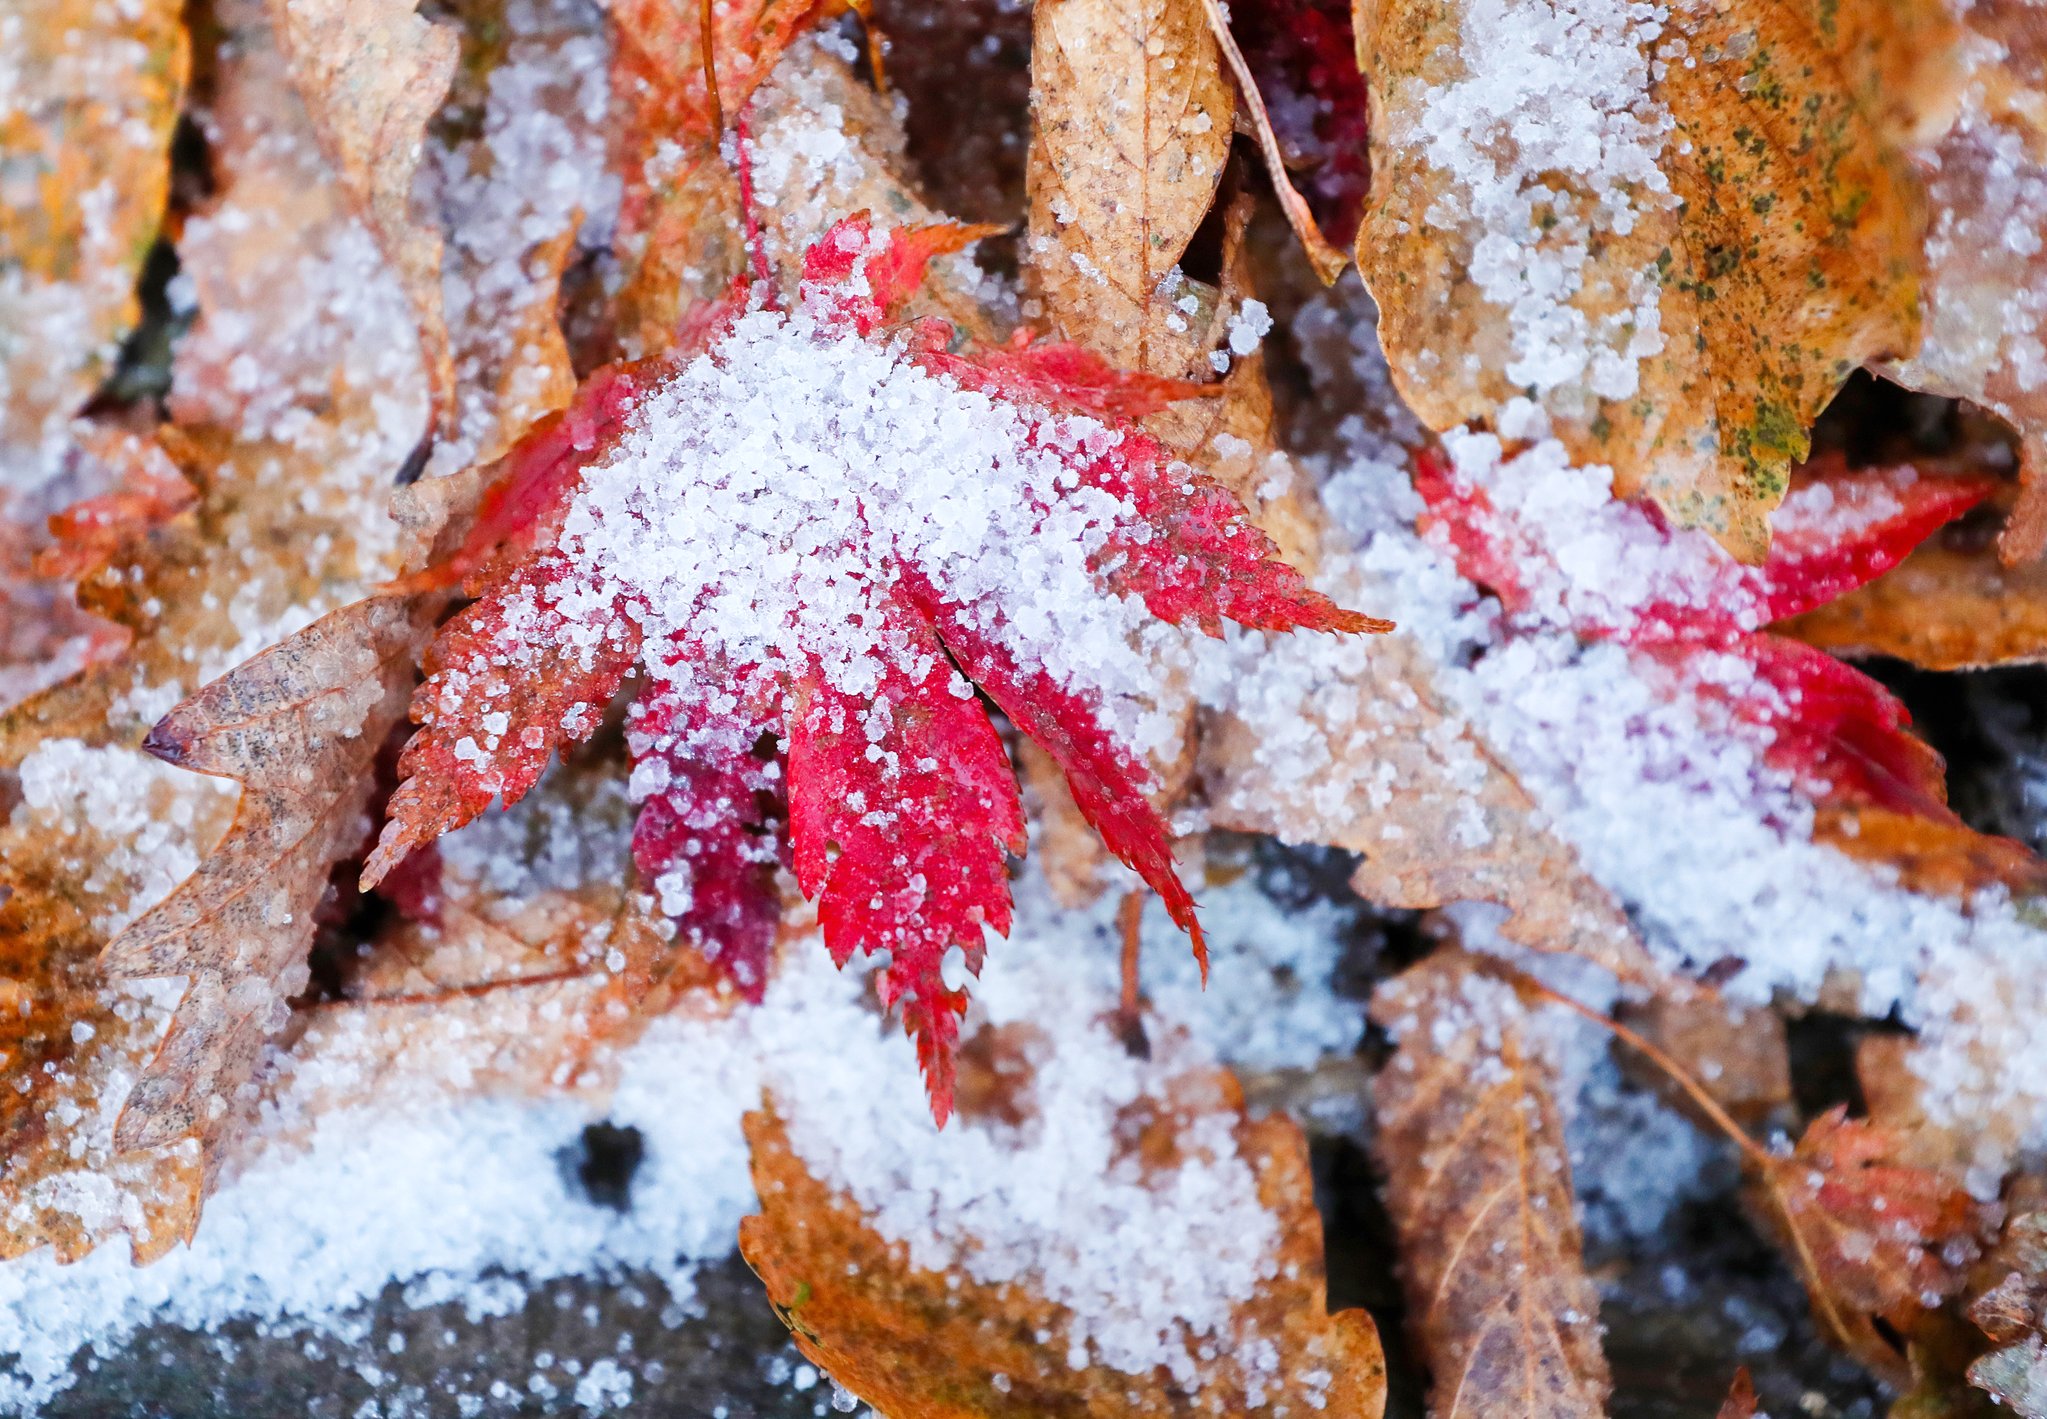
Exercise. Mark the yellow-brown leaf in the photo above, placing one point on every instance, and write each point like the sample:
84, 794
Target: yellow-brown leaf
1131, 120
922, 1344
1685, 290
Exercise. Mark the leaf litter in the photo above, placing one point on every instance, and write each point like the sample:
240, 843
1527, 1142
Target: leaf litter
1587, 744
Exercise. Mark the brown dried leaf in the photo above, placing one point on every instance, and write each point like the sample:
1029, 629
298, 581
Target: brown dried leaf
2013, 1313
1131, 124
921, 1344
85, 132
293, 467
1945, 607
298, 726
1872, 1237
1718, 302
1479, 1186
372, 74
1739, 1054
1373, 762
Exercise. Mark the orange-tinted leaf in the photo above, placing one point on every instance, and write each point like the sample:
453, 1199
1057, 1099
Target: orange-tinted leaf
1741, 1397
1948, 606
85, 132
1479, 1186
1131, 119
1872, 1238
923, 1344
88, 534
1677, 260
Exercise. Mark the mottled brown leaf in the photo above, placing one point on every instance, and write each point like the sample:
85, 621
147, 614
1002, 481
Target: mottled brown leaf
1479, 1186
1686, 290
1373, 761
298, 727
296, 397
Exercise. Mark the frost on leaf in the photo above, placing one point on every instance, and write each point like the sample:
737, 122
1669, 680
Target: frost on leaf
1697, 620
1131, 121
942, 520
1986, 277
680, 227
1872, 1238
1374, 761
2013, 1314
1478, 1183
297, 726
920, 1343
292, 472
89, 93
1678, 235
371, 74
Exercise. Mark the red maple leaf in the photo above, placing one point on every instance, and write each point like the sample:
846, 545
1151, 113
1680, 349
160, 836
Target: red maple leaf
1831, 727
885, 785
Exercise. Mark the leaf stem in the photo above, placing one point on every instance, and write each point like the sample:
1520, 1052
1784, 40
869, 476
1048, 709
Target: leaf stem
707, 41
1657, 1056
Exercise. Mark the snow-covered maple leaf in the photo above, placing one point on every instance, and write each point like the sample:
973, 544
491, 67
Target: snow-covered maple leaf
816, 537
1558, 551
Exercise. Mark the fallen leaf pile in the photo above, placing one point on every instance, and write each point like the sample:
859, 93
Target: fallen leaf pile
535, 551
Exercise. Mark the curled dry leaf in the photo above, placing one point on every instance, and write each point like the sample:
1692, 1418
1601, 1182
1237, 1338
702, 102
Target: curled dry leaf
1678, 239
2013, 1314
1985, 296
1478, 1183
86, 113
372, 73
923, 1344
1303, 62
1326, 259
1131, 122
298, 726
